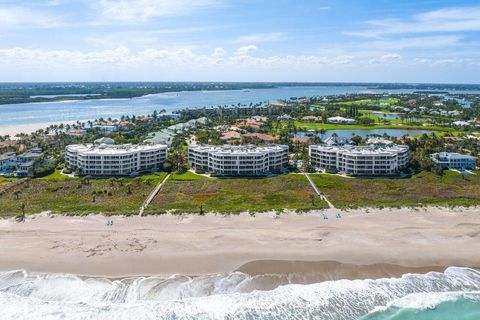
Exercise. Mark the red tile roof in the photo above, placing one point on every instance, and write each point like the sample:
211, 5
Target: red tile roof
261, 136
230, 135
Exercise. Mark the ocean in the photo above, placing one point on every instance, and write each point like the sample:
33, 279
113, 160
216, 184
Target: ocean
453, 295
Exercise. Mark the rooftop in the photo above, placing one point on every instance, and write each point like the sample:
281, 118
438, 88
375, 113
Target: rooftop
104, 140
452, 155
243, 149
261, 136
7, 155
365, 150
112, 149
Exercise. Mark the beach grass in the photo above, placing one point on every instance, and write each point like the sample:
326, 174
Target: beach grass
425, 188
62, 194
7, 182
233, 195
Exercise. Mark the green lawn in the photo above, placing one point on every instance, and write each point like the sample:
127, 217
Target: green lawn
424, 188
331, 126
56, 176
235, 195
187, 176
61, 194
361, 102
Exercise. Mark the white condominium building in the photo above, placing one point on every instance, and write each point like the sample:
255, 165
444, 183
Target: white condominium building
247, 160
363, 160
114, 160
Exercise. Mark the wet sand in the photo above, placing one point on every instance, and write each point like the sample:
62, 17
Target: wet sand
362, 244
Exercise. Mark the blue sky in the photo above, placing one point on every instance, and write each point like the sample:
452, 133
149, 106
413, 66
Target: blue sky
240, 40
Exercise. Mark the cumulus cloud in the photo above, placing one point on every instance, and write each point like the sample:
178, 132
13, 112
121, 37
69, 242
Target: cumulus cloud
123, 56
389, 57
219, 52
246, 50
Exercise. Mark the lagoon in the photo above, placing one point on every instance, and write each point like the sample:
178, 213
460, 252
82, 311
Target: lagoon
13, 115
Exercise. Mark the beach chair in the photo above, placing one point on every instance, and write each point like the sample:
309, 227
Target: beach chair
325, 216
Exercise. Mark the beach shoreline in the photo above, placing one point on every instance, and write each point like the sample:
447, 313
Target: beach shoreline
30, 128
403, 240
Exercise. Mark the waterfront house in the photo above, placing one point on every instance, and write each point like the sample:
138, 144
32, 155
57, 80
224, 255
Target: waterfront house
266, 138
104, 140
341, 120
76, 133
452, 160
337, 141
20, 165
230, 135
285, 117
311, 119
8, 161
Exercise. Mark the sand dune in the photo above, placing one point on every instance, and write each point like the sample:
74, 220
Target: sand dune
393, 240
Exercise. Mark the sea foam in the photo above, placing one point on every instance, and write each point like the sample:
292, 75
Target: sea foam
25, 295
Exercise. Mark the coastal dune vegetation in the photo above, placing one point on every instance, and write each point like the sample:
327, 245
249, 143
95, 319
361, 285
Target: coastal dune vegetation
62, 194
191, 193
425, 188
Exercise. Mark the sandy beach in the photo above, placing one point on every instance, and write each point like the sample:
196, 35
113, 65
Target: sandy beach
28, 128
363, 243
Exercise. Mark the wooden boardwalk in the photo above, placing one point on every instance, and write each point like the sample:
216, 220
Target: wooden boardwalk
152, 195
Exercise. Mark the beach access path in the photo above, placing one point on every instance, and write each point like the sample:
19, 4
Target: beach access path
152, 195
318, 192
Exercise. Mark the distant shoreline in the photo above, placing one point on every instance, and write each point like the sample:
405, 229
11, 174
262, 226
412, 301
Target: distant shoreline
42, 96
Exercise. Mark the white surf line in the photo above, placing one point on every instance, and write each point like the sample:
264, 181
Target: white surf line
320, 194
152, 195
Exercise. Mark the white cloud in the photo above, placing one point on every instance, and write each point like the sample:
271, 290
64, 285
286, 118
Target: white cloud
261, 37
123, 56
415, 42
422, 60
219, 52
134, 11
443, 20
386, 58
246, 50
192, 63
17, 17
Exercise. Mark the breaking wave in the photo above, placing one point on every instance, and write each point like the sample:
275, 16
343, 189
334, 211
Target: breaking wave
25, 295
